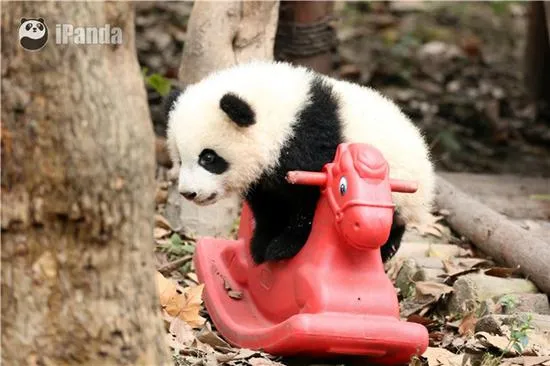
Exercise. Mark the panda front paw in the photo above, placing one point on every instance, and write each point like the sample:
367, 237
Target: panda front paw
258, 257
257, 249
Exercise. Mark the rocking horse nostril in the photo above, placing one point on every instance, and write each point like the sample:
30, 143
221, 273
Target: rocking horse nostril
356, 226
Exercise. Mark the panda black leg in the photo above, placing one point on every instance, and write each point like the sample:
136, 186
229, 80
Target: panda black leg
292, 239
286, 245
267, 214
260, 241
389, 249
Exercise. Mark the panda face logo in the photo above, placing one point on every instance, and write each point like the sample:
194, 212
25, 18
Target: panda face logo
33, 34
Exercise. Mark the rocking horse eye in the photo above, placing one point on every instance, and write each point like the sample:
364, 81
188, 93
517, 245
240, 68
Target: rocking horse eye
343, 185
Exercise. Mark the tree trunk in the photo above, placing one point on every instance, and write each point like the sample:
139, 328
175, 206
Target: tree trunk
537, 51
305, 36
220, 35
77, 196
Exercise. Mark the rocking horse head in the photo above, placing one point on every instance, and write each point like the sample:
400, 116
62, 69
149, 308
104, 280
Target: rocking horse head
358, 189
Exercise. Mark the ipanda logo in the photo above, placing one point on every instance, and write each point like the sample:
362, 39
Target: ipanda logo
33, 34
67, 33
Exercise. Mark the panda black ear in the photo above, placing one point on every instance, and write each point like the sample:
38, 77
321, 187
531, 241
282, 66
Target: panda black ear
170, 100
238, 110
23, 20
41, 20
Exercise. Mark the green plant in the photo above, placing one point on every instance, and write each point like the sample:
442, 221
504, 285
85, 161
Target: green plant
490, 360
508, 302
177, 247
499, 7
519, 339
518, 335
540, 197
157, 82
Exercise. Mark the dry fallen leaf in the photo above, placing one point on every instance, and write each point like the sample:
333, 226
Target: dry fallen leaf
467, 325
209, 337
257, 361
503, 272
450, 266
162, 222
159, 232
434, 289
431, 229
237, 295
415, 318
193, 277
500, 342
184, 303
428, 294
393, 266
181, 334
442, 357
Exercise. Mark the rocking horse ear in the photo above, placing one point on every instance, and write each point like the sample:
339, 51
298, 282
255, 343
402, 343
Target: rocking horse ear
338, 157
339, 150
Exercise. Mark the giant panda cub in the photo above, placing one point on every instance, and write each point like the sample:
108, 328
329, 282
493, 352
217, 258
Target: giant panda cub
240, 130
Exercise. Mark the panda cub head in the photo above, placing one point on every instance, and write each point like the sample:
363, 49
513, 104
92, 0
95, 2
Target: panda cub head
33, 33
225, 131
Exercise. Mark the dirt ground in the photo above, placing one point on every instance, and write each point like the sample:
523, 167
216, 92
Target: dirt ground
454, 68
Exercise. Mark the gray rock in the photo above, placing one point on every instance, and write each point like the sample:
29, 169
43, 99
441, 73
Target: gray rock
535, 303
470, 290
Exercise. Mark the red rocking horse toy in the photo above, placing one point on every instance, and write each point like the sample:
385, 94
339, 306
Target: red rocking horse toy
333, 297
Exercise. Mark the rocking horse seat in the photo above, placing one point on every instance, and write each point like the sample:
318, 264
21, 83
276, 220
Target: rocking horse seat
333, 297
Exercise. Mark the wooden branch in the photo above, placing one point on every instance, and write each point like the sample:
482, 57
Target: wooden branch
172, 266
494, 234
224, 33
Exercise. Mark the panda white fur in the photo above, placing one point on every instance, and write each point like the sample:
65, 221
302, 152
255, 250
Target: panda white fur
241, 129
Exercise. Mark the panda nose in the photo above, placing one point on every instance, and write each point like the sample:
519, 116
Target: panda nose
189, 195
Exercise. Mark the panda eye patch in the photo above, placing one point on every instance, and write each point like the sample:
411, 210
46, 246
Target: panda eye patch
207, 158
28, 26
40, 26
212, 162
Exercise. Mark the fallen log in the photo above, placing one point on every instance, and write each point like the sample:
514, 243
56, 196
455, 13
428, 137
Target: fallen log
495, 235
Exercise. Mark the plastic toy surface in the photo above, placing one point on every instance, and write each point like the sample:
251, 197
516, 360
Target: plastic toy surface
333, 297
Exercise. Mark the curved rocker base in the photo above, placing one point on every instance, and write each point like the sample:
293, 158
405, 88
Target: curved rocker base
221, 265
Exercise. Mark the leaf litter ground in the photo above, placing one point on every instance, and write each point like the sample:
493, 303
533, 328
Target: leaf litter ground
455, 338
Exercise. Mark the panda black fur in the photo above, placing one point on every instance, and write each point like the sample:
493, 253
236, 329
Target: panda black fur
242, 129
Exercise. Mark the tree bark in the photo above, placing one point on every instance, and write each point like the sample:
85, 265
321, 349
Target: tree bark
495, 234
537, 51
304, 35
77, 196
220, 35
